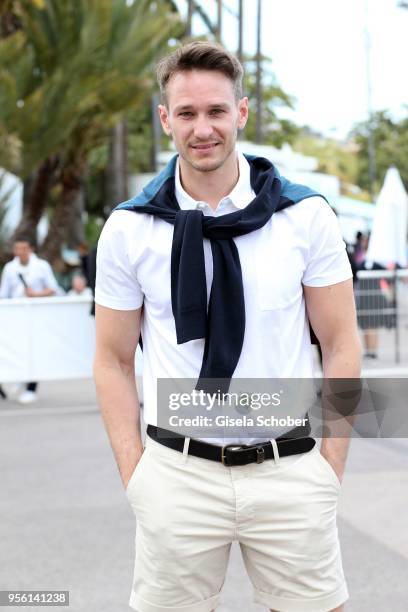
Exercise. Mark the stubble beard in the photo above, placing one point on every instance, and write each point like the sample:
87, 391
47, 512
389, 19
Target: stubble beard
211, 167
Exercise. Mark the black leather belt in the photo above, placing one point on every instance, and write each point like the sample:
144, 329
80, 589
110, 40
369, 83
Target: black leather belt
231, 454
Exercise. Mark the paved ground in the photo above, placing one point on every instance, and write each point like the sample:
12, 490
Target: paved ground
66, 524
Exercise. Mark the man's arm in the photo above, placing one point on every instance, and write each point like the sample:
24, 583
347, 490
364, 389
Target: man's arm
331, 311
49, 283
42, 293
117, 335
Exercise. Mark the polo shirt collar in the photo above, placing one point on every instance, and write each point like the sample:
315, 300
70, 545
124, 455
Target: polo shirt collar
240, 196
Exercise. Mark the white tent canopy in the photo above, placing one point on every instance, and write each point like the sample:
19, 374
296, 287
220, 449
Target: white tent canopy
388, 240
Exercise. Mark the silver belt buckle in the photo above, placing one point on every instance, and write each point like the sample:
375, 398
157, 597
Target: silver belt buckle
260, 451
235, 446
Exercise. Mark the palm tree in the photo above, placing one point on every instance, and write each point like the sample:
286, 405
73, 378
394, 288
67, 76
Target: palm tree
66, 78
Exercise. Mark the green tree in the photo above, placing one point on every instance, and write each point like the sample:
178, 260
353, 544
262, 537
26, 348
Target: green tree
391, 147
66, 77
334, 157
276, 131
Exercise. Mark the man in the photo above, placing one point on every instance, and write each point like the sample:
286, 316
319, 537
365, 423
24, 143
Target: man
27, 276
216, 263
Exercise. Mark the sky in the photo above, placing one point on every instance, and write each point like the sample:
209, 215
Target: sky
318, 52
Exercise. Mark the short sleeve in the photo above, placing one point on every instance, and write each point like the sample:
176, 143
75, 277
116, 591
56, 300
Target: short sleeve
50, 281
116, 286
328, 262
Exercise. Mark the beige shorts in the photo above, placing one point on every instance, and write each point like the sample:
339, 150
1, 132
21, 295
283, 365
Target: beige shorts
189, 510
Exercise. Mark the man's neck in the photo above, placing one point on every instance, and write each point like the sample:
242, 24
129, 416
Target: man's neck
210, 187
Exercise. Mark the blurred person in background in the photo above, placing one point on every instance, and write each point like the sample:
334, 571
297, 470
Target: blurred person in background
360, 249
374, 299
27, 276
78, 286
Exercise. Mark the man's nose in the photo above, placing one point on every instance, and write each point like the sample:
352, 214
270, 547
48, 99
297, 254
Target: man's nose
202, 128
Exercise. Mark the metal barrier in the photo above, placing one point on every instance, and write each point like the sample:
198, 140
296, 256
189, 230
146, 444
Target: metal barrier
382, 309
49, 338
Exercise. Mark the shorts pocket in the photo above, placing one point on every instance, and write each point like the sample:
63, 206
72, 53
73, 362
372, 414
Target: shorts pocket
329, 470
135, 472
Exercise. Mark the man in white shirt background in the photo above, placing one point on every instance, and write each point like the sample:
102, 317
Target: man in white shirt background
190, 498
27, 276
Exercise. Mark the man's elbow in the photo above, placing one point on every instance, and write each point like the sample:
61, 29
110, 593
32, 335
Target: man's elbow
345, 347
105, 364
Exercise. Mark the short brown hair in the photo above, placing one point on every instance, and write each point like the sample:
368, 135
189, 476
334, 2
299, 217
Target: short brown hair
24, 238
200, 55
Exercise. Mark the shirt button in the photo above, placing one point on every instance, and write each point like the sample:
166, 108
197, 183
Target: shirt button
201, 206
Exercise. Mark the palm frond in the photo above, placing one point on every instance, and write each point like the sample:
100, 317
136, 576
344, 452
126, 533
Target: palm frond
84, 63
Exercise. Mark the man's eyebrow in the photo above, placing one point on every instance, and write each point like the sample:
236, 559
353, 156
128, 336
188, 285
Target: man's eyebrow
186, 107
183, 107
220, 105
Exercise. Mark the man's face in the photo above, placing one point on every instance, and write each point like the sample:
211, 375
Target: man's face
22, 250
203, 116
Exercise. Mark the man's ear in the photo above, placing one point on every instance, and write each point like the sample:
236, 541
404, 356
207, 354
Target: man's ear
164, 119
243, 111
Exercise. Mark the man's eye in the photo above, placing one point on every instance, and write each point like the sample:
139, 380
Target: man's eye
185, 114
217, 111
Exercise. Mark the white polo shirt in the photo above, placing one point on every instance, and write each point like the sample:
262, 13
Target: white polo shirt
300, 245
37, 274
